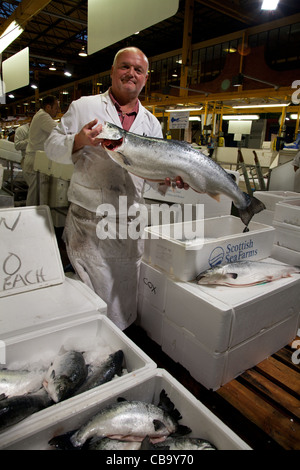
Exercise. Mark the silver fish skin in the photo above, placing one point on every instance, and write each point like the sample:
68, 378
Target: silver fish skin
15, 409
132, 420
67, 373
19, 382
178, 443
156, 159
112, 444
246, 274
104, 372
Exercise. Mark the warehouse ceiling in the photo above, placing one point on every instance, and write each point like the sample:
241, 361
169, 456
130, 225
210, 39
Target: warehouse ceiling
55, 31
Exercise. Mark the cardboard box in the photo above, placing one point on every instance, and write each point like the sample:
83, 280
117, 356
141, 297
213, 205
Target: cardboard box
216, 241
39, 429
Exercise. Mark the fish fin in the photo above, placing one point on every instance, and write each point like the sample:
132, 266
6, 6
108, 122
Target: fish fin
63, 442
255, 206
216, 197
120, 399
52, 375
158, 425
167, 405
147, 444
182, 430
3, 396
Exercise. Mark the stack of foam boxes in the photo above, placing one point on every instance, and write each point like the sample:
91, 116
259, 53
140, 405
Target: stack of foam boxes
270, 199
217, 332
287, 231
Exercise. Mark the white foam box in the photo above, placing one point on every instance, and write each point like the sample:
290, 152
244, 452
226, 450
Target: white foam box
265, 217
218, 241
218, 323
286, 255
214, 370
46, 424
288, 212
271, 198
287, 235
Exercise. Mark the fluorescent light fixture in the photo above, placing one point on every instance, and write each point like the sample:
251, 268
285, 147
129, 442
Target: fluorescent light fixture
294, 116
67, 73
194, 118
270, 4
183, 110
249, 106
244, 117
10, 34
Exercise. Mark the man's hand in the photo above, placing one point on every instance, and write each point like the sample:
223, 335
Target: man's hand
178, 182
88, 136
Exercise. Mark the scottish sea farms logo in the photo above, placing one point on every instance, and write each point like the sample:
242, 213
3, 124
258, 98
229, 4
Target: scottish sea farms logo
232, 253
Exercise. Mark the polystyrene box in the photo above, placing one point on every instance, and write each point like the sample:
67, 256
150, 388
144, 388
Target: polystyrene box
271, 198
287, 235
288, 212
220, 317
93, 334
214, 370
218, 240
286, 255
39, 429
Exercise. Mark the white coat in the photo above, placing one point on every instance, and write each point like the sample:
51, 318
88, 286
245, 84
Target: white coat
110, 267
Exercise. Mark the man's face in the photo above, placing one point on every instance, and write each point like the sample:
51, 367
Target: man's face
129, 74
53, 110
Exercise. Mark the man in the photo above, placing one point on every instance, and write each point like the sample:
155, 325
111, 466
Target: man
110, 266
21, 140
296, 162
41, 127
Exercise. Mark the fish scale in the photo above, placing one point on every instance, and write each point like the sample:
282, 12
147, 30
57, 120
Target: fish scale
156, 159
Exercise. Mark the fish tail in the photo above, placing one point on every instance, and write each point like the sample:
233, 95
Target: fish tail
254, 207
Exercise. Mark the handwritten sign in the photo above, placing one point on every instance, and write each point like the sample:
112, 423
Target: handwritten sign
29, 256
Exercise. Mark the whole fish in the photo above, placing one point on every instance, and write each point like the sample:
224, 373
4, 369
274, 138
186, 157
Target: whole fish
103, 373
131, 421
156, 159
246, 273
19, 382
178, 443
67, 373
15, 409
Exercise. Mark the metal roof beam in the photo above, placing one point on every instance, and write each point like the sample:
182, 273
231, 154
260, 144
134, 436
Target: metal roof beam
24, 13
226, 8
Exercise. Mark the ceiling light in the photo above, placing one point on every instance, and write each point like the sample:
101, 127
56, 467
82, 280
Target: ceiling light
11, 95
294, 116
183, 109
10, 34
269, 4
244, 117
194, 118
83, 52
34, 84
248, 106
52, 66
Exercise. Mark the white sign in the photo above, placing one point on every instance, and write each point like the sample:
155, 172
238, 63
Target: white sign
29, 257
16, 71
179, 120
110, 21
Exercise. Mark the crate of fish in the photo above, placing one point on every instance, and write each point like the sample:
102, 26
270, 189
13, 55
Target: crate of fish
58, 364
154, 412
188, 248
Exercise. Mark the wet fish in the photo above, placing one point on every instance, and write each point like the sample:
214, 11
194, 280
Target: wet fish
15, 409
20, 382
178, 443
67, 373
156, 159
103, 373
112, 444
246, 273
131, 421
